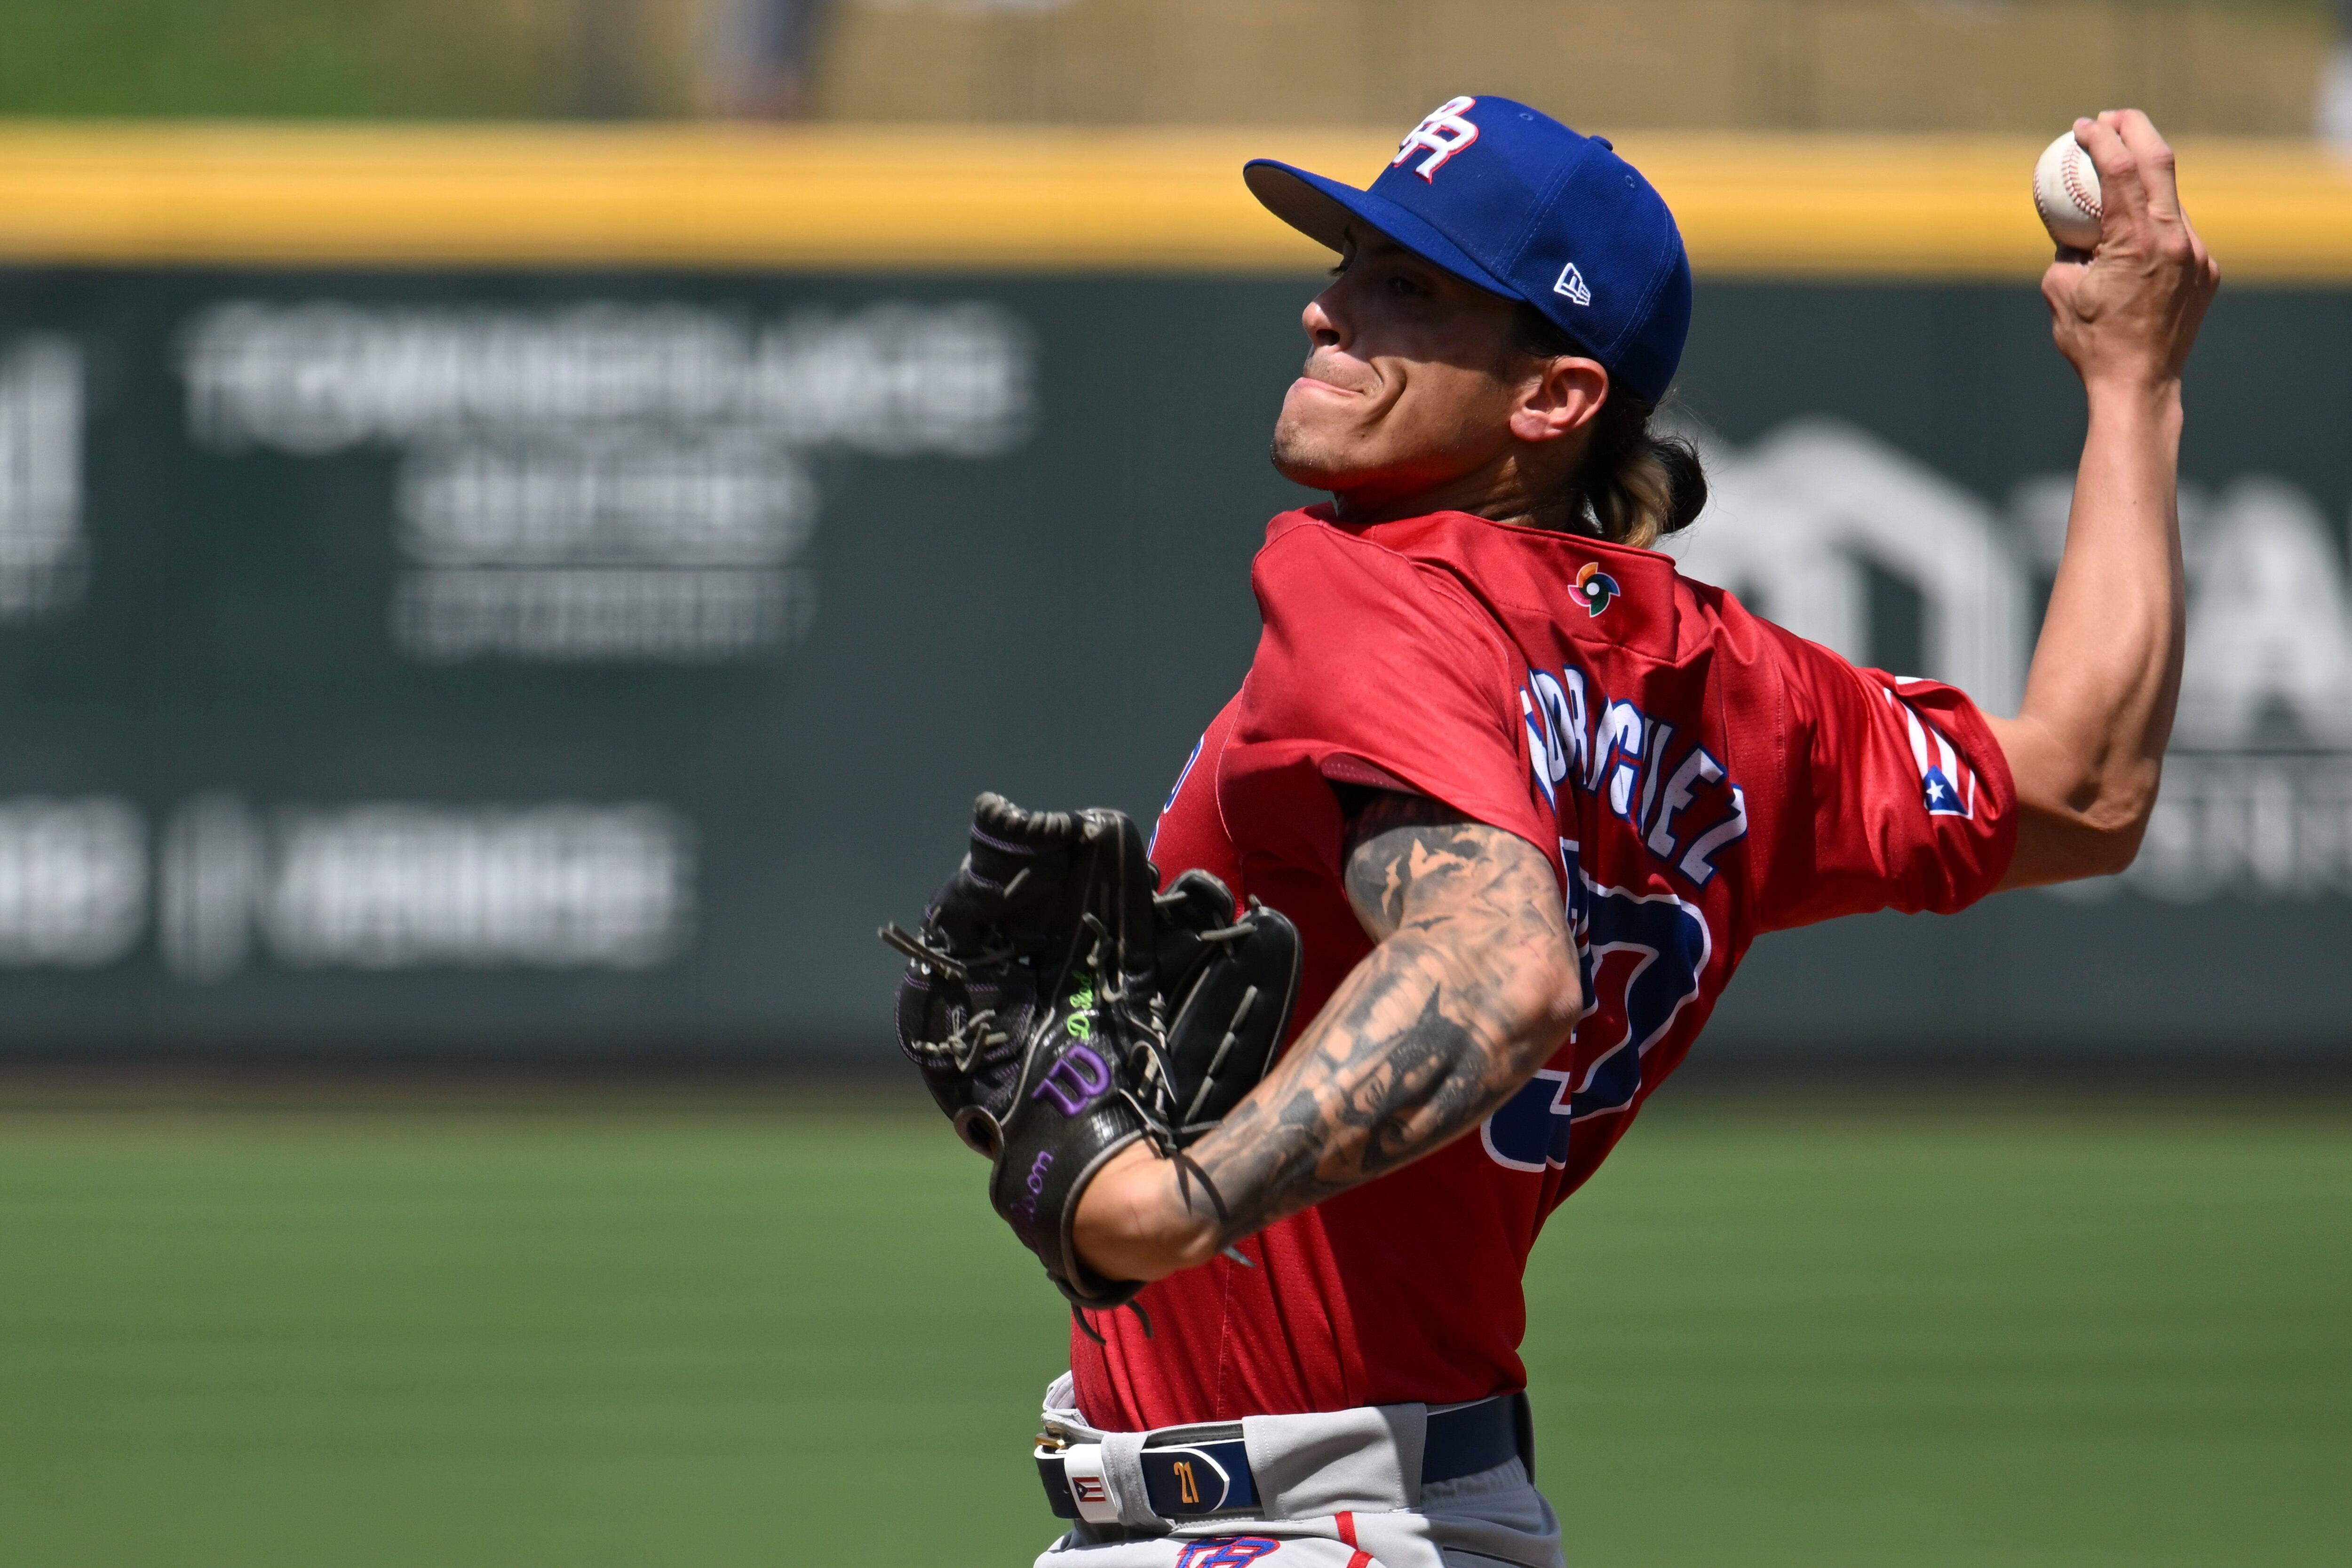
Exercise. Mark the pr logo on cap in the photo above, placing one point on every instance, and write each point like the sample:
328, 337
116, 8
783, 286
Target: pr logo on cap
1445, 134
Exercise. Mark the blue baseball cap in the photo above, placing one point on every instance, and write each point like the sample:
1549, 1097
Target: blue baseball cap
1512, 200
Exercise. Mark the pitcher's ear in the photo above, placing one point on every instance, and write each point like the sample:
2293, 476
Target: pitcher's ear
1567, 395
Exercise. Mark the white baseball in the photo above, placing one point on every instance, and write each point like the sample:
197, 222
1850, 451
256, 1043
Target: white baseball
2066, 192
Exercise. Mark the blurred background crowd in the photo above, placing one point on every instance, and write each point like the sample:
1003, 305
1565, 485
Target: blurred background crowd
2268, 68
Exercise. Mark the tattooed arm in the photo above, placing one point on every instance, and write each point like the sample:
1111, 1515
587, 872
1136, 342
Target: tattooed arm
1472, 987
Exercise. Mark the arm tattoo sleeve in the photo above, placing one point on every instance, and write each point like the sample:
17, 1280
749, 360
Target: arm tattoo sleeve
1472, 986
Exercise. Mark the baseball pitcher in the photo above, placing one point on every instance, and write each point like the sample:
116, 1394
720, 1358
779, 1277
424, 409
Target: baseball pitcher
1452, 883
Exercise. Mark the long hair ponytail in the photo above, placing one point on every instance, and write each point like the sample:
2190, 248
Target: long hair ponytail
1633, 485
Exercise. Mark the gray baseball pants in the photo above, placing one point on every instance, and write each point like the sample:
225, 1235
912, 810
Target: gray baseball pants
1337, 1491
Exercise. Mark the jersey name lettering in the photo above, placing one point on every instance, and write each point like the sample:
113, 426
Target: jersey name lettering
1578, 737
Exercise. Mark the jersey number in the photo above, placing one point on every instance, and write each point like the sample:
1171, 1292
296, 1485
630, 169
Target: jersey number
1639, 956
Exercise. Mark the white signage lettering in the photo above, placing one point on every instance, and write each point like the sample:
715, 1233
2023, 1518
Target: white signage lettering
608, 483
43, 559
73, 881
391, 885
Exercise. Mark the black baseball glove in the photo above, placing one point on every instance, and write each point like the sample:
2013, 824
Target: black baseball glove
1061, 1007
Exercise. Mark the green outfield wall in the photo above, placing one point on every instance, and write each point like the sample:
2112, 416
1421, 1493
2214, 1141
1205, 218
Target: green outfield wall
529, 661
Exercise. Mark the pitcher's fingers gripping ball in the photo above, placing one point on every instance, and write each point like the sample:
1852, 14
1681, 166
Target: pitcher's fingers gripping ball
1061, 1007
2129, 304
2066, 194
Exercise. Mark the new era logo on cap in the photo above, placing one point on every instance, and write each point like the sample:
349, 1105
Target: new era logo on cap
1527, 209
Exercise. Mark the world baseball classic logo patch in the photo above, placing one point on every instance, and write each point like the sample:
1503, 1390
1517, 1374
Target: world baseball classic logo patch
1226, 1552
1596, 588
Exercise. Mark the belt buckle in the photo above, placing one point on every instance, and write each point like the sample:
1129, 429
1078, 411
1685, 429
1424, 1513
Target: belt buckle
1081, 1468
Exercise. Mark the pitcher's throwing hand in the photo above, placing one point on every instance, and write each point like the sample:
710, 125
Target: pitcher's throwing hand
2128, 313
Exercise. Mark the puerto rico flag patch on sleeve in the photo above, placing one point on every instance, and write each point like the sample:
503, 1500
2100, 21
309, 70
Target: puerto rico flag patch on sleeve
1947, 786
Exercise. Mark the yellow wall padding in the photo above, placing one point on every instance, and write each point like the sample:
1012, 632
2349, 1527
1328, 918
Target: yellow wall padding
994, 199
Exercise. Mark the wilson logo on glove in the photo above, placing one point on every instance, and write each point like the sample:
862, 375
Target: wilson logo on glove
1073, 1082
1051, 971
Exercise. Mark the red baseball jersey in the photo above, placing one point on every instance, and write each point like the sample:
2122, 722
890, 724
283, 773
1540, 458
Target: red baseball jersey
1693, 774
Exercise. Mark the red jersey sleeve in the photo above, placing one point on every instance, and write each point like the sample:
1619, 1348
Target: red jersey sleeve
1898, 796
1378, 670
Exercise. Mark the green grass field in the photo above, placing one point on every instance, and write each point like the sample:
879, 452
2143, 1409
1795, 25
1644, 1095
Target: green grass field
1763, 1336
